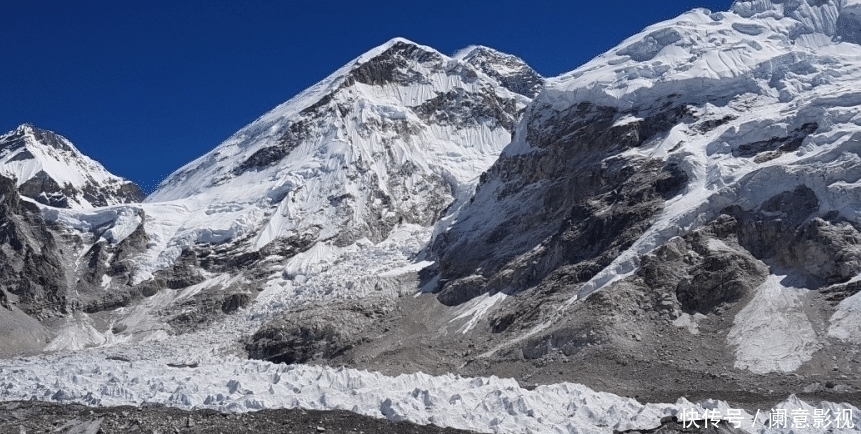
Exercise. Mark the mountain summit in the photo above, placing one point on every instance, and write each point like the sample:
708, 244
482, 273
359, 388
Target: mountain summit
48, 168
511, 71
391, 138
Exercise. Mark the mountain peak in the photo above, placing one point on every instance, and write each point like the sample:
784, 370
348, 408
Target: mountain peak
49, 169
511, 71
24, 128
392, 137
473, 50
395, 46
396, 61
28, 133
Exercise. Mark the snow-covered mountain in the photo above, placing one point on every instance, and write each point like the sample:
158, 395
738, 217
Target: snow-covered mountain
697, 189
48, 168
388, 144
511, 71
679, 217
391, 138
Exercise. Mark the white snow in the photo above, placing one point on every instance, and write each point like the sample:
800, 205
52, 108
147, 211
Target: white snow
751, 63
772, 333
76, 333
325, 187
68, 167
475, 309
845, 323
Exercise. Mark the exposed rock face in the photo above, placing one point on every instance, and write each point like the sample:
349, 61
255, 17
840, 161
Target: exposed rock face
393, 66
509, 70
789, 230
702, 271
313, 333
849, 24
571, 206
31, 272
45, 190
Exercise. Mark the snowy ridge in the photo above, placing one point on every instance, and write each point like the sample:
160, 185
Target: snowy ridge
707, 54
392, 137
338, 190
41, 157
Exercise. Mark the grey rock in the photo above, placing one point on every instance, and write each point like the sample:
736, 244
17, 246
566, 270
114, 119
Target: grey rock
788, 143
518, 76
849, 24
234, 302
315, 333
462, 109
786, 230
702, 277
394, 65
30, 266
592, 204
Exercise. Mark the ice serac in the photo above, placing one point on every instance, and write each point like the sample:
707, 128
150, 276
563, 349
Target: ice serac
391, 138
704, 168
48, 168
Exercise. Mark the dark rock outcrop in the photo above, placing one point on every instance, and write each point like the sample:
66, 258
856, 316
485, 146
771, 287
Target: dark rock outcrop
312, 333
31, 271
393, 66
789, 231
510, 71
568, 208
849, 24
703, 270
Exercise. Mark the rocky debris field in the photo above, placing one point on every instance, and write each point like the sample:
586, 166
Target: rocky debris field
26, 417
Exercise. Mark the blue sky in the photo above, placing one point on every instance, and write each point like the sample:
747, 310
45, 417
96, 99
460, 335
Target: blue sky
146, 87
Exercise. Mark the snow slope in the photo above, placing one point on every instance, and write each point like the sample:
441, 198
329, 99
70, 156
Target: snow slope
776, 68
393, 136
48, 168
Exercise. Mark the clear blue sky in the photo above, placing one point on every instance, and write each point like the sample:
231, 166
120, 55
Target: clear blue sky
146, 87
